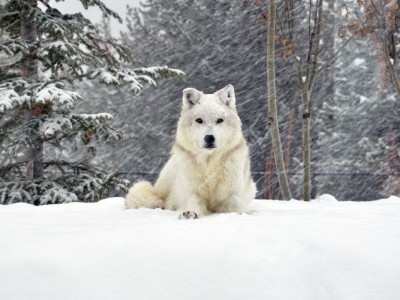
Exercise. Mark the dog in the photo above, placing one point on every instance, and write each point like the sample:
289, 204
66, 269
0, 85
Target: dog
209, 167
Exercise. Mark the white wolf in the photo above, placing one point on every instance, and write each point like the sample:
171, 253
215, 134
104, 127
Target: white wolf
209, 169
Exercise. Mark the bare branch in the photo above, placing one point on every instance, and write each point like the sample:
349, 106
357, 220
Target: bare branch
334, 55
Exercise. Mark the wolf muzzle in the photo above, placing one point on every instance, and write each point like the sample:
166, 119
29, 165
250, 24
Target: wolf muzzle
209, 139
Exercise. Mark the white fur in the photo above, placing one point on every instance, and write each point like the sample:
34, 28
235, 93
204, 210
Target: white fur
197, 179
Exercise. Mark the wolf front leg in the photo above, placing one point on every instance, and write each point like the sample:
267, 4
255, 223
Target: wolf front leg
241, 206
194, 207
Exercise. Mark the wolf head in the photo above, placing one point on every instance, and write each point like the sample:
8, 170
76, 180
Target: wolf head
209, 122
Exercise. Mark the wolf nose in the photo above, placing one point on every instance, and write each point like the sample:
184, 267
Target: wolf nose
209, 139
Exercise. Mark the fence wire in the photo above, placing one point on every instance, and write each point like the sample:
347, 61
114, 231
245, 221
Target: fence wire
260, 180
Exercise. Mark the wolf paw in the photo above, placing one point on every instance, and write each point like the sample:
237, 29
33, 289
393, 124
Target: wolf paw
189, 215
249, 212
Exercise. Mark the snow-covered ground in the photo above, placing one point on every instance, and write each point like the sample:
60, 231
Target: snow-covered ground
288, 250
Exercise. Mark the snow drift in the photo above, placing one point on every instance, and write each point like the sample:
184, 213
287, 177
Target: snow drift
288, 250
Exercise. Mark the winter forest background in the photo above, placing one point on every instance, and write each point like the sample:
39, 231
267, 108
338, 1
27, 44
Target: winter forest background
354, 111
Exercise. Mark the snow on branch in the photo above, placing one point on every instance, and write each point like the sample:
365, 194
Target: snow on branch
55, 95
52, 21
130, 76
28, 191
54, 125
135, 77
160, 72
146, 75
59, 46
106, 116
17, 92
105, 10
57, 194
13, 46
88, 188
8, 99
104, 75
75, 181
95, 125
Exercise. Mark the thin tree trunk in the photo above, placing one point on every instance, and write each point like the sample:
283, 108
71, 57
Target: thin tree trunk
312, 73
391, 65
306, 146
30, 72
273, 115
306, 83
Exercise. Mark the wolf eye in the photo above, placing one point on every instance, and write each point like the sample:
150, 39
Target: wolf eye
199, 121
219, 121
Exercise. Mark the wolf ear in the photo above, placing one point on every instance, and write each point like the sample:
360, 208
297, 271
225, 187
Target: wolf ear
190, 97
227, 96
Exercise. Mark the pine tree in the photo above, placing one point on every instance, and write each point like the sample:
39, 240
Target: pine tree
36, 110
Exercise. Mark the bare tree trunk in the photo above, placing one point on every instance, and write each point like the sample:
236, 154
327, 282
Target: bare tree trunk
30, 72
391, 64
273, 115
312, 73
306, 114
306, 83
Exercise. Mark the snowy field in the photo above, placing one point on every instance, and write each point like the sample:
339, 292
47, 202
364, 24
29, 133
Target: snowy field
288, 250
